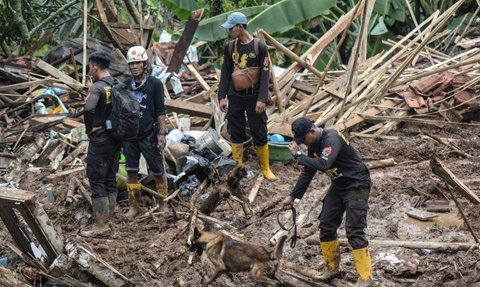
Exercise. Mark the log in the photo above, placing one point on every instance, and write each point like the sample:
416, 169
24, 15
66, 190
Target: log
440, 246
441, 170
381, 163
260, 210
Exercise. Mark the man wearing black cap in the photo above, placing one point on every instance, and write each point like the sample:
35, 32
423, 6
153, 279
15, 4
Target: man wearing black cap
330, 153
244, 78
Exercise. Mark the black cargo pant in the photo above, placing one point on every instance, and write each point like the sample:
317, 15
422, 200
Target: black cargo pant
102, 167
237, 107
354, 203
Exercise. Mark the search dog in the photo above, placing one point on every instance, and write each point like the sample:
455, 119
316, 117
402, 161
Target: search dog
230, 255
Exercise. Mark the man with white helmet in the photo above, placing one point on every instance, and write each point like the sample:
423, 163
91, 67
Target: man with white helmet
150, 140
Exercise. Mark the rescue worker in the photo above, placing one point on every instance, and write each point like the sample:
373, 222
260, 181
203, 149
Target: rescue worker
103, 150
248, 53
150, 140
330, 153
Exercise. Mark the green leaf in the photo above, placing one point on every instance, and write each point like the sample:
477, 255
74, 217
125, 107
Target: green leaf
282, 16
211, 30
181, 8
380, 28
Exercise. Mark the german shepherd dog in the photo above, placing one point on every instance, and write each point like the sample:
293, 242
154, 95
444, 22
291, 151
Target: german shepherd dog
229, 255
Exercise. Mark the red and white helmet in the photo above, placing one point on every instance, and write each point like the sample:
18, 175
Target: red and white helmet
137, 54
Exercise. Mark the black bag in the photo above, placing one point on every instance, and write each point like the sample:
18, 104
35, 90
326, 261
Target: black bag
123, 122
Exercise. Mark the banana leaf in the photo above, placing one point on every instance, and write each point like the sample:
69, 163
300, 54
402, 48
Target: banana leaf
380, 28
181, 8
282, 16
279, 17
211, 30
391, 8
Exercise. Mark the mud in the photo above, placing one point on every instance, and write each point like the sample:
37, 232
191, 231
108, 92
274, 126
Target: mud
153, 251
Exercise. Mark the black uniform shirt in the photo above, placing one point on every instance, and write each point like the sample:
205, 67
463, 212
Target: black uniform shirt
98, 106
152, 104
247, 58
334, 156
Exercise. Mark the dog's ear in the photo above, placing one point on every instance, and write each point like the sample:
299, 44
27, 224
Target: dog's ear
196, 233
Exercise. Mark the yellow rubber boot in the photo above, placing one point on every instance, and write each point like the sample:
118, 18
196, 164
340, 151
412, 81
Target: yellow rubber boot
237, 153
162, 188
331, 256
363, 264
134, 191
262, 154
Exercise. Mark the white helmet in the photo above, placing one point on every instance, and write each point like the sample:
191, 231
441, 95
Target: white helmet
137, 54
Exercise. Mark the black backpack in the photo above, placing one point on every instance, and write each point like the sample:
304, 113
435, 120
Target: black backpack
123, 122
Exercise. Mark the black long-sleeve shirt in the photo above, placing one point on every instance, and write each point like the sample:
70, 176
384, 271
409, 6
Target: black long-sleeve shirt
334, 156
247, 59
152, 103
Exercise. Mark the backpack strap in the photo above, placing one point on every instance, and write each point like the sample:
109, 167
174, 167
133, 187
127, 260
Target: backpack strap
233, 45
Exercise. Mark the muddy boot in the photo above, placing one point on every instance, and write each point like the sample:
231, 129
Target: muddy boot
363, 265
162, 187
331, 256
112, 204
237, 153
100, 215
262, 154
134, 190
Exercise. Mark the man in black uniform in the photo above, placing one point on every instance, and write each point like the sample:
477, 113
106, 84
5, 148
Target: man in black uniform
330, 153
242, 53
150, 142
103, 151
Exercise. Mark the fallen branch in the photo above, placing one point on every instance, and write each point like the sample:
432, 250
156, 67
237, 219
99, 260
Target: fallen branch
440, 246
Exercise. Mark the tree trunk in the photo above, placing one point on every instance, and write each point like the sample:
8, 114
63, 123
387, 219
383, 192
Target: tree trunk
15, 8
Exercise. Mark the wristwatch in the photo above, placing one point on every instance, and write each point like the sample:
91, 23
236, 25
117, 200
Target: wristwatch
297, 154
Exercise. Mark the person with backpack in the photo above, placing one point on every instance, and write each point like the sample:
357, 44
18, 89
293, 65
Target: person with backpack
150, 140
244, 80
103, 150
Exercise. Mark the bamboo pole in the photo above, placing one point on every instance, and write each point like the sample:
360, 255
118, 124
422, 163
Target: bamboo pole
84, 68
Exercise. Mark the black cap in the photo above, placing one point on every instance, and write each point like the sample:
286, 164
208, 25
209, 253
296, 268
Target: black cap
300, 127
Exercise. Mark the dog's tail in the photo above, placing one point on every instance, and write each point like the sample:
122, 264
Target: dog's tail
277, 254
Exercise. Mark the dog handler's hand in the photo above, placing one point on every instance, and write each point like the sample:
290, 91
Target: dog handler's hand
223, 105
260, 107
288, 202
293, 147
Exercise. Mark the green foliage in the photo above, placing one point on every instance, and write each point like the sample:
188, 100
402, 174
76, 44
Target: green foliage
211, 30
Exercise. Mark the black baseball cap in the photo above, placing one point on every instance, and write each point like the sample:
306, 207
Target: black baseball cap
300, 127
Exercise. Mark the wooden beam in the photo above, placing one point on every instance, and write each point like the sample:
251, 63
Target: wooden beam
440, 169
185, 40
192, 109
46, 67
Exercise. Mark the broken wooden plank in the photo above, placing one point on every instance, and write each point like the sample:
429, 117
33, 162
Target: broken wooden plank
56, 177
95, 265
46, 67
255, 188
440, 169
192, 109
421, 215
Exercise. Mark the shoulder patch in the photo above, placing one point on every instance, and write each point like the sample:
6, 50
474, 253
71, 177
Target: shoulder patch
327, 151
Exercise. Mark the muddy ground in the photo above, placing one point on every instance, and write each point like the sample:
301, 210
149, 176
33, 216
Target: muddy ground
153, 251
